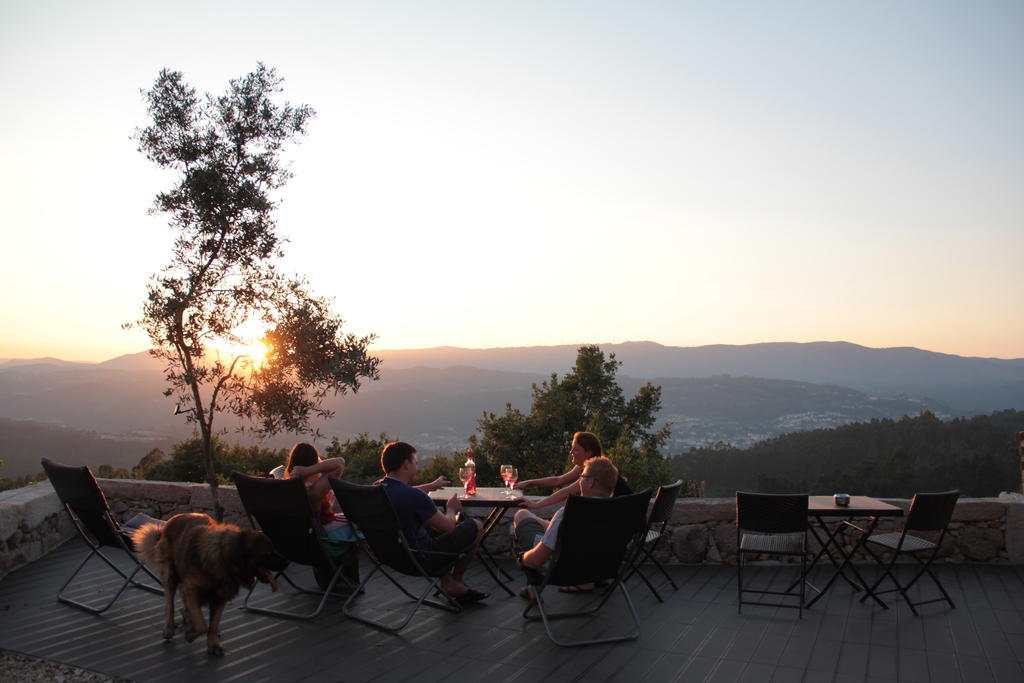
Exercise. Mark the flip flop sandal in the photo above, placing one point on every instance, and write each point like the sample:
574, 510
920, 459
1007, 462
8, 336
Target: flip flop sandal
470, 596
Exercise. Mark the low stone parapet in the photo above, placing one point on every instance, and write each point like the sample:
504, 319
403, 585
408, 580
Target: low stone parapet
701, 531
32, 523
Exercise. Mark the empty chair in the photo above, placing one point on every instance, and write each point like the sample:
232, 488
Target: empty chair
593, 540
657, 524
87, 507
771, 524
280, 509
929, 513
370, 509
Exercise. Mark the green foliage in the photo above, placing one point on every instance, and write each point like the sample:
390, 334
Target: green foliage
362, 457
442, 465
223, 272
16, 483
110, 472
362, 460
588, 398
187, 463
885, 457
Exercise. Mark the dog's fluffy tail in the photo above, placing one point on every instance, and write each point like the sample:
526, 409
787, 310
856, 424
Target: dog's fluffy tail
147, 540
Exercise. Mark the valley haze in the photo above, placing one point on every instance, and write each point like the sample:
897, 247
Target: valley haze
433, 397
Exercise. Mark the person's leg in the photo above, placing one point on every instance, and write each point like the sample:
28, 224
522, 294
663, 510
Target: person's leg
465, 535
526, 526
459, 570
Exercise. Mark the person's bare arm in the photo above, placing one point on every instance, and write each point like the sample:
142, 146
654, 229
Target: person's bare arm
536, 556
438, 483
443, 522
331, 466
561, 480
559, 496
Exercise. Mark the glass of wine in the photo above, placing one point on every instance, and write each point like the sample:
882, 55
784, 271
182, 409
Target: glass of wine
464, 474
513, 477
506, 472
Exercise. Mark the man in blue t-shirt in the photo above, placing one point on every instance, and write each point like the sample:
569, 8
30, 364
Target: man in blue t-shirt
425, 527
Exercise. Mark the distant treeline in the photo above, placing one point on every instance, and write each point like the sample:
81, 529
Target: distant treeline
24, 443
883, 457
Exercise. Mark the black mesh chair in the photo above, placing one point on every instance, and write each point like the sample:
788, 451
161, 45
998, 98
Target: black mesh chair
771, 524
593, 541
280, 509
369, 508
657, 525
929, 513
87, 507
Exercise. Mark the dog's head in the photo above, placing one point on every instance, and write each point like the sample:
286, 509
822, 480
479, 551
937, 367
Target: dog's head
259, 560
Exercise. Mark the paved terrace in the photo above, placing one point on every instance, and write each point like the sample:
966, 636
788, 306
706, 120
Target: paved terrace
695, 635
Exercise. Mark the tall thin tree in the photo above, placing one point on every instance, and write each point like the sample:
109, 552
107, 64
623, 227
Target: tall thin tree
223, 273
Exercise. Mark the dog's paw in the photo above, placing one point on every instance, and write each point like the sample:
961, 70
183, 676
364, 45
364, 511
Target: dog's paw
215, 650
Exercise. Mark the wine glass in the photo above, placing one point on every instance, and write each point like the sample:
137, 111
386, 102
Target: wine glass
464, 474
506, 472
513, 477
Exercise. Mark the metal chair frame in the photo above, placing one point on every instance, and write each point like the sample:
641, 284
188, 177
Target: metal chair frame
280, 509
650, 539
370, 510
929, 512
778, 525
593, 541
83, 500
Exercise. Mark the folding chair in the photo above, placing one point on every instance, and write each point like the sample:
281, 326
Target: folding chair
87, 507
593, 540
771, 524
280, 509
929, 512
649, 540
369, 508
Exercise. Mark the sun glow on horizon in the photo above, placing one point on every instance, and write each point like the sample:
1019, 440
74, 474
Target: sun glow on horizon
248, 344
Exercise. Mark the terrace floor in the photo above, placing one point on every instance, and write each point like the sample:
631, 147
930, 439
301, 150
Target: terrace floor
695, 635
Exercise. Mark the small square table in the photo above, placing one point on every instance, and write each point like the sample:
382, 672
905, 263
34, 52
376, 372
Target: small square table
822, 509
495, 498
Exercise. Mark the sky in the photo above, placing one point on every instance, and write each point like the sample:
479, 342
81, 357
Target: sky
488, 174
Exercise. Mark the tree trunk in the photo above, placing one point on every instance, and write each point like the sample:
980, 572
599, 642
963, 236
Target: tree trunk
211, 475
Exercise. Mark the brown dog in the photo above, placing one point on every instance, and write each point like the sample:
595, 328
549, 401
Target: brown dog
210, 562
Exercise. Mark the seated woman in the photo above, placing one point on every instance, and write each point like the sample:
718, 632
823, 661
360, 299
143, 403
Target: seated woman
585, 445
304, 462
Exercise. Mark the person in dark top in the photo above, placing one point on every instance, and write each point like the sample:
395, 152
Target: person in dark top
425, 527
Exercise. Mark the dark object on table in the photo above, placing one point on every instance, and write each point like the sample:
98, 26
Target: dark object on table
593, 540
87, 507
369, 508
657, 523
842, 500
280, 509
929, 512
771, 524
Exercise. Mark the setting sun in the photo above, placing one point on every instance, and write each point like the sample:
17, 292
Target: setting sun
248, 344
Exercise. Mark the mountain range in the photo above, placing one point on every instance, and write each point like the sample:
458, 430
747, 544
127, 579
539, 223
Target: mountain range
433, 397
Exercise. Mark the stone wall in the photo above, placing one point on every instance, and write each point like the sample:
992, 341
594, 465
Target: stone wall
33, 522
989, 530
702, 530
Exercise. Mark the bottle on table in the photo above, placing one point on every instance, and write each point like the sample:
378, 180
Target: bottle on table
471, 466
